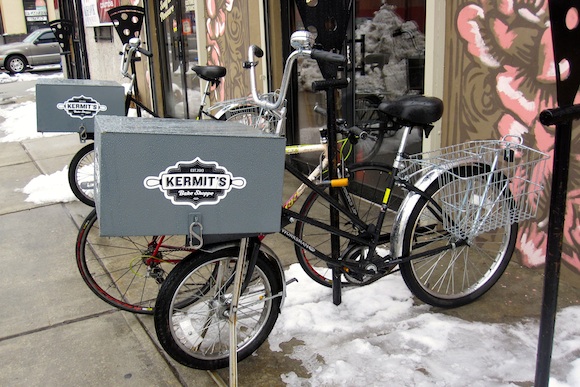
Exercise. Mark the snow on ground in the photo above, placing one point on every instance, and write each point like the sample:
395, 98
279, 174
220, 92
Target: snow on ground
28, 76
53, 188
18, 123
377, 336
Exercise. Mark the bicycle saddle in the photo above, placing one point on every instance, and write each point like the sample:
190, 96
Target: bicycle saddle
415, 109
210, 73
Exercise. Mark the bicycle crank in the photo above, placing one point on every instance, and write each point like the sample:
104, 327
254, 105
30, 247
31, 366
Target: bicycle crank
361, 271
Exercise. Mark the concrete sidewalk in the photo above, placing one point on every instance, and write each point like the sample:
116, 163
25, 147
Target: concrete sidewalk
55, 332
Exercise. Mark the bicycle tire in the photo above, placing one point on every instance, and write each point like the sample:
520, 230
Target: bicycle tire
81, 176
367, 183
192, 298
368, 118
458, 276
121, 270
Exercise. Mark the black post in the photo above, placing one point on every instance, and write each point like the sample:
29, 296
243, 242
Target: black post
332, 174
554, 252
565, 51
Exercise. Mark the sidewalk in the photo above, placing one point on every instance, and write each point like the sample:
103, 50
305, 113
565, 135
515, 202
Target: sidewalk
55, 332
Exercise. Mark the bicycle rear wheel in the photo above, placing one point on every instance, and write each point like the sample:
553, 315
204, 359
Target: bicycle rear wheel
364, 195
460, 275
126, 272
81, 174
368, 118
253, 116
191, 314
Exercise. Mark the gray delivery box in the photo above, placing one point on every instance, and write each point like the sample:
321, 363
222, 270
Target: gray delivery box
70, 105
157, 176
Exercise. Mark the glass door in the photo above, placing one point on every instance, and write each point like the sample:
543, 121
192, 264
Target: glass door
179, 54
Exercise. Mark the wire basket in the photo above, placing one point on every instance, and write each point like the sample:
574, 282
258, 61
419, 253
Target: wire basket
485, 185
245, 111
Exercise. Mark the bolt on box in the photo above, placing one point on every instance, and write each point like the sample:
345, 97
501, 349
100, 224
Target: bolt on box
71, 105
211, 180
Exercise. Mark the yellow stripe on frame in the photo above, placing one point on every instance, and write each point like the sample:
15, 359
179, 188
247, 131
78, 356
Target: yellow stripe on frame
387, 195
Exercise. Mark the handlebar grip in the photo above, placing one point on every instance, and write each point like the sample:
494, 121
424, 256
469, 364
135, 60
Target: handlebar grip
358, 132
329, 84
328, 57
560, 115
320, 110
145, 52
258, 51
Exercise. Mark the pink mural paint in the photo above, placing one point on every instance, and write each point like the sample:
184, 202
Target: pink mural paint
512, 39
216, 27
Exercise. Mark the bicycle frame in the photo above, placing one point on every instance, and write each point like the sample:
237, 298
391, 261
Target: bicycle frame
370, 239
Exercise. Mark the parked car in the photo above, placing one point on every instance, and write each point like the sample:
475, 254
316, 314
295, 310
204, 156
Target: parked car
40, 47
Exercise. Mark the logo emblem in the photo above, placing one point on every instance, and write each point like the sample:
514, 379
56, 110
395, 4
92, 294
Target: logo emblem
195, 183
81, 107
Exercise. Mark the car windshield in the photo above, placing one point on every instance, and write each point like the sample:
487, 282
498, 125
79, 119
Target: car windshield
32, 37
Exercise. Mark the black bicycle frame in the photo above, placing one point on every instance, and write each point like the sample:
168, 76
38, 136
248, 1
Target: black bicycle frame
288, 216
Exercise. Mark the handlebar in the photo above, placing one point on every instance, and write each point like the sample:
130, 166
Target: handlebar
128, 54
560, 115
302, 42
327, 56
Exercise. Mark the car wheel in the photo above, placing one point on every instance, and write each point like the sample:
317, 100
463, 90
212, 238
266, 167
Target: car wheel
16, 64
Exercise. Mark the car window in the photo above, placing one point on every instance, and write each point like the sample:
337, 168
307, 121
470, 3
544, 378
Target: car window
47, 37
31, 38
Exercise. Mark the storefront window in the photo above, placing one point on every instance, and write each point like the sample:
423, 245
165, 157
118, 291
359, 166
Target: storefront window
390, 49
181, 94
386, 42
36, 14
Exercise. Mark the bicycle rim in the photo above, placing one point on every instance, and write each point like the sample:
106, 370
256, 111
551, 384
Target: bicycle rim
191, 315
81, 174
123, 271
366, 188
459, 275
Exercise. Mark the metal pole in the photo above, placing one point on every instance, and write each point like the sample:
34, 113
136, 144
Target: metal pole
233, 318
553, 252
332, 174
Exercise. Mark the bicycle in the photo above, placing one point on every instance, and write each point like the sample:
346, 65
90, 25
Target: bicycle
126, 271
81, 167
452, 236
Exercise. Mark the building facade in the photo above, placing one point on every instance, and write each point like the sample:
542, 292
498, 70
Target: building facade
490, 62
20, 17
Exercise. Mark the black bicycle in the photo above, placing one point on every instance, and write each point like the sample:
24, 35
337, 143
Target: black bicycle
451, 237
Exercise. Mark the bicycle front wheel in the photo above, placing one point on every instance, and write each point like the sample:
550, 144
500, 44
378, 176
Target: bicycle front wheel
192, 310
126, 272
459, 275
363, 196
81, 174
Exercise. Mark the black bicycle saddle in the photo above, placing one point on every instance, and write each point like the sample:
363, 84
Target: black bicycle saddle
210, 73
414, 109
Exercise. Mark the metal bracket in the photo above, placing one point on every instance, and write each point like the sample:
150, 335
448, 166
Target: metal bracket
195, 231
82, 134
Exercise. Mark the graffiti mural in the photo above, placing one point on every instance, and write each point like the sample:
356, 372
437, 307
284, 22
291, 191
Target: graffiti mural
500, 75
228, 26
